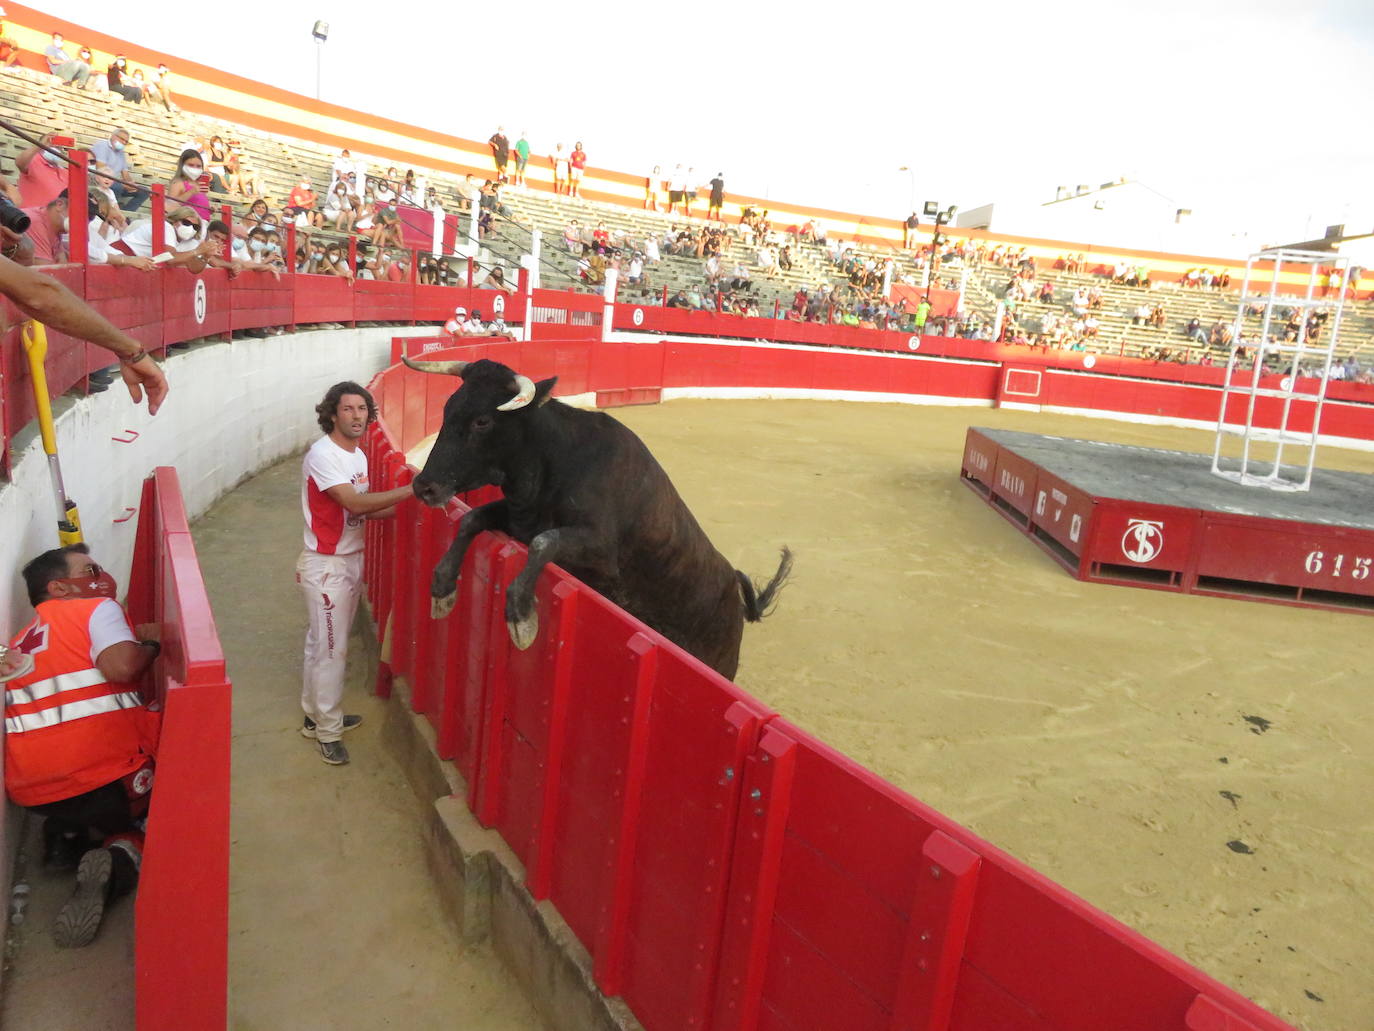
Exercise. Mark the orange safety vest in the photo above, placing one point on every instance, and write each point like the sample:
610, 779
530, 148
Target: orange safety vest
67, 730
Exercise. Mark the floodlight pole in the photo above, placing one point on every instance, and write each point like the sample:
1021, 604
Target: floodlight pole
319, 56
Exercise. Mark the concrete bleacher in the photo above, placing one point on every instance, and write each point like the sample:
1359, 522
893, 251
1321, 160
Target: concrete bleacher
37, 103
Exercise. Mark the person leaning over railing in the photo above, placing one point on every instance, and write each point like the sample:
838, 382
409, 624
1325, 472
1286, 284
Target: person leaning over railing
181, 237
45, 299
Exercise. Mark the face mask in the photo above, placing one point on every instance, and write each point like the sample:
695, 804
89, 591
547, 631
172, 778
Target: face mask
190, 173
66, 224
52, 159
185, 233
257, 245
100, 586
119, 63
117, 144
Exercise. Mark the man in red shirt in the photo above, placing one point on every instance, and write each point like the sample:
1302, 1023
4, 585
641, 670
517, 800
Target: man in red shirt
335, 501
79, 742
42, 174
47, 223
302, 199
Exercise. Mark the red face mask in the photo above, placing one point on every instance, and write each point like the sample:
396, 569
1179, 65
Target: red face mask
98, 585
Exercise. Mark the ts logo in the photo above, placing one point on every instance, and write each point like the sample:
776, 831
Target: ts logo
1143, 540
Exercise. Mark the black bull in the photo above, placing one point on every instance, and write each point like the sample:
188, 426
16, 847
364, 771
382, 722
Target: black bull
583, 491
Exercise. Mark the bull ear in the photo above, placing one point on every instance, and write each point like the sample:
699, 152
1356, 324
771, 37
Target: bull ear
543, 391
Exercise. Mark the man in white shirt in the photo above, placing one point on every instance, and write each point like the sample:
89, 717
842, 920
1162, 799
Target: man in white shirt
335, 501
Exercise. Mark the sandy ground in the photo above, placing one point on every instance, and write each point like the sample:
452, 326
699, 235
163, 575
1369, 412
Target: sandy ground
1101, 734
333, 919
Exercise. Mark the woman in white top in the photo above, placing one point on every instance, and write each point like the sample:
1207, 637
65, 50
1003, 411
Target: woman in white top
340, 208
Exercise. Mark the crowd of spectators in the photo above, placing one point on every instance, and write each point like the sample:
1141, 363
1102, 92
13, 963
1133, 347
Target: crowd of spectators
75, 66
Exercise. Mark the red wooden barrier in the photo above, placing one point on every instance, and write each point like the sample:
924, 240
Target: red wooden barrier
182, 906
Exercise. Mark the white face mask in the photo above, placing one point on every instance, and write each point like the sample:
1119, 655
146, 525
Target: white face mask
117, 144
185, 233
190, 174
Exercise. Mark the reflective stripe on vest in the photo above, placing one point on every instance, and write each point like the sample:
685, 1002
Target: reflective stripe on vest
53, 685
71, 711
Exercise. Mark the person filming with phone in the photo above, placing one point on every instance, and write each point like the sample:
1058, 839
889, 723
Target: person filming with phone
190, 183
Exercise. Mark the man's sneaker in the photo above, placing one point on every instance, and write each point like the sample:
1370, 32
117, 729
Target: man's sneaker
334, 753
79, 919
349, 723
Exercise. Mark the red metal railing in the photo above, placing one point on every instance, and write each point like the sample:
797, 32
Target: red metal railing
181, 944
724, 869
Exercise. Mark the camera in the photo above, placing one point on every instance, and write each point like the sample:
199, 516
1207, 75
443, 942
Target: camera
12, 218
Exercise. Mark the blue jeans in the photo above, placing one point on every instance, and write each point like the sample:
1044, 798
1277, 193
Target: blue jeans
131, 196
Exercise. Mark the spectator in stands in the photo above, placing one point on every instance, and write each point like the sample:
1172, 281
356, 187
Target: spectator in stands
216, 158
159, 87
216, 237
42, 172
383, 191
114, 78
386, 229
1194, 331
651, 182
189, 183
572, 237
80, 742
341, 208
909, 228
717, 196
651, 252
47, 226
9, 48
500, 151
111, 159
410, 190
301, 202
1141, 316
577, 164
522, 158
181, 236
71, 70
561, 169
105, 228
335, 262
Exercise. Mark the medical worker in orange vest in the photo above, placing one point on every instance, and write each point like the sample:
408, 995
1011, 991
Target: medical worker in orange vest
79, 740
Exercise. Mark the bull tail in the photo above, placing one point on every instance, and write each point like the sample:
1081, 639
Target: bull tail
760, 601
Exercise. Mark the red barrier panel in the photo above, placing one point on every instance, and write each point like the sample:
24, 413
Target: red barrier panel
194, 305
322, 299
182, 905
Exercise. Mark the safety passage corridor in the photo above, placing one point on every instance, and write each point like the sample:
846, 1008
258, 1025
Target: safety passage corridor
333, 920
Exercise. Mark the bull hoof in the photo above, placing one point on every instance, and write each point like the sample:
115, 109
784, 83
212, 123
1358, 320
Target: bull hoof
524, 631
441, 607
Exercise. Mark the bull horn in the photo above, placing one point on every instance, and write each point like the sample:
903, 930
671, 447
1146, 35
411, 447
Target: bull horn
442, 368
524, 394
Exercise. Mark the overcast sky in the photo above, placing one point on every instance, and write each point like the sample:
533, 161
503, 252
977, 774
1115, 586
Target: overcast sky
1250, 113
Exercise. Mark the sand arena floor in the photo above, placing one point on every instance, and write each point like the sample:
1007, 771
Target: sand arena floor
1114, 738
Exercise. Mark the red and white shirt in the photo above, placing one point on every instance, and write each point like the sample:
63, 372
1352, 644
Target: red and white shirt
329, 528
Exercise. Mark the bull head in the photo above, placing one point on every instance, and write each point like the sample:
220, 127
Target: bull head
522, 385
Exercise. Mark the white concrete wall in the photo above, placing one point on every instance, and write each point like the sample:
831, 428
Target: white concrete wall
233, 410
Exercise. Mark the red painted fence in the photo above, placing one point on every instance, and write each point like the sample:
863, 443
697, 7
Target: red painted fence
181, 945
724, 869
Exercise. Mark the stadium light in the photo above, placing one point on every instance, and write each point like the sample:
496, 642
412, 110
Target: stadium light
321, 33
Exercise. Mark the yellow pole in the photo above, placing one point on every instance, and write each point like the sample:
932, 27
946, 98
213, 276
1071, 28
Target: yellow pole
36, 348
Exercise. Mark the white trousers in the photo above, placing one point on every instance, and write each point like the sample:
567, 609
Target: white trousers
332, 585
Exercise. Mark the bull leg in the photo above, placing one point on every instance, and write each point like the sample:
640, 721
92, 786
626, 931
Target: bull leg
583, 548
443, 590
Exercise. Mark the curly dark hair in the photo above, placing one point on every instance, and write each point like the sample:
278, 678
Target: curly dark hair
327, 408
